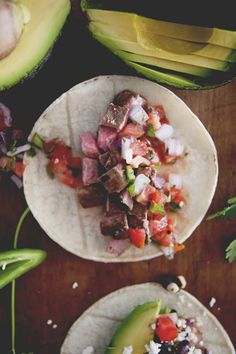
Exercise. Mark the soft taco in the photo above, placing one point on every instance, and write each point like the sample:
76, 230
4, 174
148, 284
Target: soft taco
146, 318
148, 129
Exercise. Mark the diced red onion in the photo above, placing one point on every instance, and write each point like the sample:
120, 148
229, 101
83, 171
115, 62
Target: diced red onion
126, 151
126, 199
175, 180
138, 115
174, 147
137, 101
139, 160
17, 181
19, 150
117, 247
140, 182
164, 132
6, 115
158, 182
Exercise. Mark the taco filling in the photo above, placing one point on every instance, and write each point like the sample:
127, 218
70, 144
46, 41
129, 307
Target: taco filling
149, 330
120, 169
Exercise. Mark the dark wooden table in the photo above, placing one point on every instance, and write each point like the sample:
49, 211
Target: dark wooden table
46, 292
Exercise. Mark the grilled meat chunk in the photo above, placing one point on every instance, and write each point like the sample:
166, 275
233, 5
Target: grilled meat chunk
115, 224
114, 180
92, 196
116, 117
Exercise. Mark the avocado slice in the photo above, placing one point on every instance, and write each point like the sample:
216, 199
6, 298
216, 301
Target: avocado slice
46, 20
135, 330
136, 48
130, 27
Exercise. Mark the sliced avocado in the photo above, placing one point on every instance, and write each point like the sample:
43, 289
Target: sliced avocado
130, 27
46, 20
166, 64
135, 330
136, 48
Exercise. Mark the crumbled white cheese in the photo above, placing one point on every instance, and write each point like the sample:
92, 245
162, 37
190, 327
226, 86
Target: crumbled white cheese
191, 350
49, 322
88, 350
75, 285
153, 348
181, 323
128, 350
54, 326
212, 302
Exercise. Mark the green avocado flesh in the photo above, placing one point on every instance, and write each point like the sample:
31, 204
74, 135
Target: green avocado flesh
46, 20
180, 61
135, 330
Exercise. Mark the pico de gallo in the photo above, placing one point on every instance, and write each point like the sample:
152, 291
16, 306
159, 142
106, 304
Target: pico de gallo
121, 169
12, 145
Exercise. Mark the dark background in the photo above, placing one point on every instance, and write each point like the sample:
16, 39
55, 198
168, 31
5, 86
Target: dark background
46, 292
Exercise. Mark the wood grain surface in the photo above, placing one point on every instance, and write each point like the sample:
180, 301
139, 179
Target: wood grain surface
46, 292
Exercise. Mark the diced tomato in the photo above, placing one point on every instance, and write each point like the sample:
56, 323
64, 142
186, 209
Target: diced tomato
10, 164
159, 148
58, 166
166, 329
61, 151
158, 197
69, 180
75, 162
164, 238
137, 237
49, 146
156, 226
144, 196
132, 129
176, 195
139, 148
18, 169
178, 247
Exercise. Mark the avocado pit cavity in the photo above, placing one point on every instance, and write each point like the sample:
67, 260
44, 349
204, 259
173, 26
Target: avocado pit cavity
13, 17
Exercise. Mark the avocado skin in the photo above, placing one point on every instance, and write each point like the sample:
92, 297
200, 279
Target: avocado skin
188, 12
30, 54
135, 330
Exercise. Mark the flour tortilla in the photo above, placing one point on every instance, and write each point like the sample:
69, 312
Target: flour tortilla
98, 324
56, 207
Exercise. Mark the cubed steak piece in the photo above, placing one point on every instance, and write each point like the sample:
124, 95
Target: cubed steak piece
115, 224
114, 180
89, 171
137, 217
88, 145
128, 98
109, 159
92, 196
116, 117
106, 136
114, 203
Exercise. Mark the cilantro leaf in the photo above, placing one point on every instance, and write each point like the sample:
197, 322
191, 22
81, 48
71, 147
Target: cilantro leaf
228, 212
231, 200
151, 131
231, 252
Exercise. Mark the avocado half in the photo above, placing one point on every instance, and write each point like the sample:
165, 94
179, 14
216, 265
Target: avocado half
46, 20
180, 54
